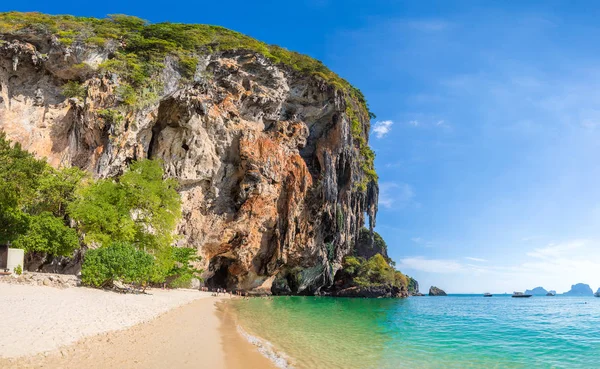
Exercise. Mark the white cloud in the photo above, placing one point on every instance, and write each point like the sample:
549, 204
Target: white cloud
553, 251
414, 123
442, 124
393, 194
476, 259
421, 242
382, 128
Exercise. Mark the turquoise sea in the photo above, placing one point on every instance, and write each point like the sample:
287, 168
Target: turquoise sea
460, 331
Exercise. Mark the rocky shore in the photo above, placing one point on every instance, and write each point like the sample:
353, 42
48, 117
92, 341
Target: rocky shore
42, 279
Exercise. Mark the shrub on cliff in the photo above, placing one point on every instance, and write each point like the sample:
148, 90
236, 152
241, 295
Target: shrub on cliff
74, 89
373, 272
367, 249
118, 261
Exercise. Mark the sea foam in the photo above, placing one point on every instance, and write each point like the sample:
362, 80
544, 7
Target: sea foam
266, 349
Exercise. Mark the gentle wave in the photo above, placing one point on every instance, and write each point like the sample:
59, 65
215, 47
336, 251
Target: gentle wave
266, 349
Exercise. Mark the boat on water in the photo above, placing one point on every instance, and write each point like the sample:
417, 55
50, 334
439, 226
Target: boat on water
487, 294
520, 294
550, 294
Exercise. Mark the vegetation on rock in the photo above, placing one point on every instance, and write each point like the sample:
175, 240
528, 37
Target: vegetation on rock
139, 207
140, 49
370, 272
373, 272
131, 218
74, 89
369, 244
413, 285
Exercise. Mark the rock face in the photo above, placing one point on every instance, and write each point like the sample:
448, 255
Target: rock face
580, 289
538, 291
370, 244
268, 159
434, 291
413, 287
42, 279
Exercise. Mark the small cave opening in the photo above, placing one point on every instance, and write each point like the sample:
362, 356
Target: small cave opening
221, 277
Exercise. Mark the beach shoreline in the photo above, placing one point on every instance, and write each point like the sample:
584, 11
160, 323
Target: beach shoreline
175, 329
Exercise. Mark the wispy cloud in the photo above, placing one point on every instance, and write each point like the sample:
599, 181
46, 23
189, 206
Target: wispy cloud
395, 195
414, 123
382, 128
476, 259
554, 251
422, 242
442, 124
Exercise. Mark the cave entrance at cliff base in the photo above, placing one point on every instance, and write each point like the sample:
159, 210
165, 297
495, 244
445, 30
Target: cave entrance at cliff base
221, 277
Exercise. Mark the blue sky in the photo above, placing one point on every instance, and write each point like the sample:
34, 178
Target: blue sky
488, 124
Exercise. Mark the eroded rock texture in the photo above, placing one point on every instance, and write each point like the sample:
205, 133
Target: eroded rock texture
268, 166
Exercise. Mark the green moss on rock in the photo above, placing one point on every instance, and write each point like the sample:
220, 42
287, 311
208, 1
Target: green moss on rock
142, 47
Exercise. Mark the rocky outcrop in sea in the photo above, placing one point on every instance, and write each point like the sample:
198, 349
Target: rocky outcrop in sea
434, 291
579, 289
537, 291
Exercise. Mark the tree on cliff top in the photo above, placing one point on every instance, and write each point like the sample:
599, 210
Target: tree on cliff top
139, 208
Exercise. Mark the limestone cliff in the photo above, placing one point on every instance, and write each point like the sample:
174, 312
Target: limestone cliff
272, 159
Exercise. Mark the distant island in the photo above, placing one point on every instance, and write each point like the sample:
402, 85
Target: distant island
538, 291
580, 289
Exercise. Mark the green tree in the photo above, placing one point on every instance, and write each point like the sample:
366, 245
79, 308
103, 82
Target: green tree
183, 269
102, 214
49, 235
56, 189
118, 261
153, 202
140, 208
20, 172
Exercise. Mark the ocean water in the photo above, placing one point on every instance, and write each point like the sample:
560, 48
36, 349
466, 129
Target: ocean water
461, 331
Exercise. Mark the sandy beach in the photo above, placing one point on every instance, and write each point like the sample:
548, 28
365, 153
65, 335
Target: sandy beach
46, 327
